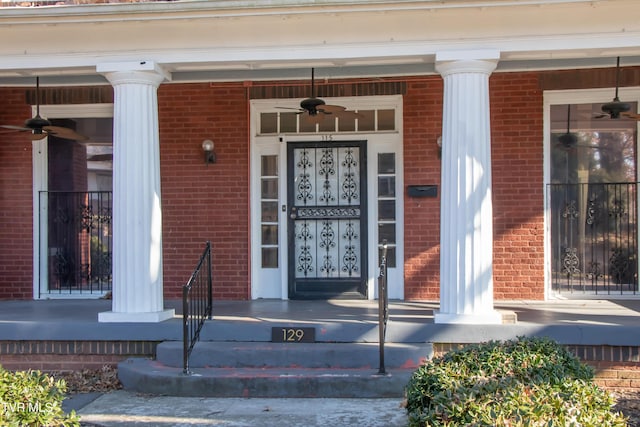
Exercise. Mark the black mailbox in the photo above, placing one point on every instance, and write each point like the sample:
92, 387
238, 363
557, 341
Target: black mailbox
422, 190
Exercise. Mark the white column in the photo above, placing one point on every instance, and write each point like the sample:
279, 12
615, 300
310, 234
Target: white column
466, 236
137, 214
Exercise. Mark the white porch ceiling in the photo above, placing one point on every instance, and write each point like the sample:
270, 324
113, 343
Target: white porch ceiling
233, 40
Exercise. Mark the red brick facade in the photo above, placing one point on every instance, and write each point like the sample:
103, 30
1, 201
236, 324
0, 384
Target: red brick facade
517, 167
203, 202
422, 127
16, 211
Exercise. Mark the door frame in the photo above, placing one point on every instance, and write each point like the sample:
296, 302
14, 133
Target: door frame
563, 97
273, 283
362, 291
39, 150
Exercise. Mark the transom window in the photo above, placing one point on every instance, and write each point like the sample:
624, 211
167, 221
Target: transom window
381, 120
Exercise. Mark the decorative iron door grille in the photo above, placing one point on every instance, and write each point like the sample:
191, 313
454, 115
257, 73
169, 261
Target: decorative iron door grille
78, 241
327, 219
594, 238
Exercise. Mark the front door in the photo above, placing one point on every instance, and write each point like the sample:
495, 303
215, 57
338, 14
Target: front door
327, 219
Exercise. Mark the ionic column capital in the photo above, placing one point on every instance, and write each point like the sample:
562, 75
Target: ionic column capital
135, 72
473, 61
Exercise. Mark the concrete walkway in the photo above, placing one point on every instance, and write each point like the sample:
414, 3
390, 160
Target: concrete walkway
122, 408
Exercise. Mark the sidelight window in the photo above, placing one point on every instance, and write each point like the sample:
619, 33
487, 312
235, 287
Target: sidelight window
387, 205
269, 210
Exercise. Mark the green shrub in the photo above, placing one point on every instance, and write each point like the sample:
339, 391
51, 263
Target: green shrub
31, 398
523, 382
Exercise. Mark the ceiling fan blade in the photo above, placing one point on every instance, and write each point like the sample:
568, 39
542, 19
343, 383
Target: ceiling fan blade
330, 109
37, 136
100, 157
8, 131
633, 116
313, 118
22, 128
593, 147
289, 108
66, 133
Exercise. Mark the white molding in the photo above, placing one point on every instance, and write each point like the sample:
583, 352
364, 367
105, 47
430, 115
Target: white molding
76, 111
376, 142
213, 35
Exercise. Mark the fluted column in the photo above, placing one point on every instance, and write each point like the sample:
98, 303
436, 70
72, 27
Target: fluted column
466, 237
137, 214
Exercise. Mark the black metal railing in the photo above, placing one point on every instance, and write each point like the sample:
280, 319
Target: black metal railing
197, 302
77, 241
383, 305
594, 238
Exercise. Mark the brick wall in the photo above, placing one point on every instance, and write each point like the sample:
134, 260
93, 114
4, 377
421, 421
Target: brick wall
422, 127
16, 212
517, 161
205, 202
70, 355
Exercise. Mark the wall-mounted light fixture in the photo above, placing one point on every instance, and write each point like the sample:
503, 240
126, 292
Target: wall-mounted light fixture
209, 154
439, 142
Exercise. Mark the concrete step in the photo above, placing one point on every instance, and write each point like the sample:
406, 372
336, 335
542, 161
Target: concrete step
261, 369
307, 355
149, 376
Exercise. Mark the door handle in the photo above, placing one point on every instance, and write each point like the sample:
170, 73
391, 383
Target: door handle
294, 213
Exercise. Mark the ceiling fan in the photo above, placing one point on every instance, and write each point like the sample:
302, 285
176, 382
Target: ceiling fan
316, 110
569, 140
616, 108
39, 128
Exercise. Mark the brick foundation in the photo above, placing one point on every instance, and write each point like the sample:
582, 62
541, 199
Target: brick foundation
70, 355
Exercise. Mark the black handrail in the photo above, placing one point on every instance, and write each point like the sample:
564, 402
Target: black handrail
383, 305
197, 302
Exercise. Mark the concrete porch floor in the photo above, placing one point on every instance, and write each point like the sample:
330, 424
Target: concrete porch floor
570, 321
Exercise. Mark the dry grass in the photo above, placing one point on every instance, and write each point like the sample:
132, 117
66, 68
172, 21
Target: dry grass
90, 380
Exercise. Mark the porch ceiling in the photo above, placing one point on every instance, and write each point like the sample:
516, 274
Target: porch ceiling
233, 40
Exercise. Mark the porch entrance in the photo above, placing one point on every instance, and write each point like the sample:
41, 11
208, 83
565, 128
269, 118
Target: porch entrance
327, 219
593, 202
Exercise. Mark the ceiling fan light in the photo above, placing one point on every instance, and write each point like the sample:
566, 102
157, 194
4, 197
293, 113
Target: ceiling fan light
311, 104
36, 123
615, 108
568, 140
